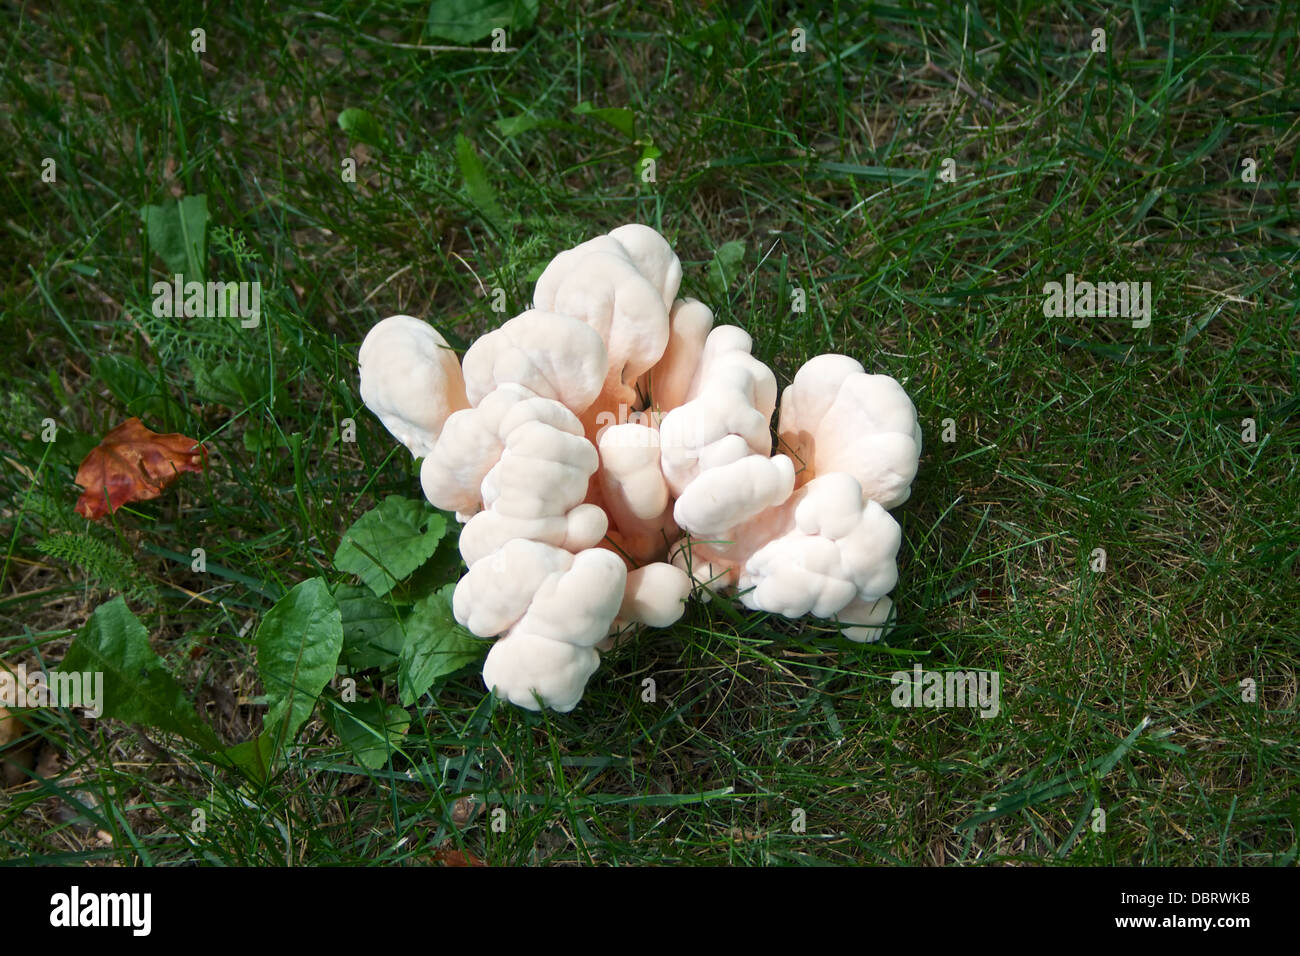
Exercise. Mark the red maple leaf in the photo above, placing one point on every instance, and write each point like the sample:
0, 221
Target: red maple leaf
133, 464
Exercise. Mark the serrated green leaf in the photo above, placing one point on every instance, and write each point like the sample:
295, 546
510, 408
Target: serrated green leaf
137, 687
389, 542
361, 125
445, 566
619, 117
372, 629
370, 730
725, 267
435, 646
480, 191
298, 647
467, 21
177, 231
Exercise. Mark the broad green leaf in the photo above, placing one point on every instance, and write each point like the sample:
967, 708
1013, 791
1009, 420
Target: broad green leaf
725, 267
445, 566
360, 125
372, 629
480, 191
619, 117
467, 21
298, 646
177, 232
370, 730
648, 151
253, 756
137, 687
389, 541
435, 646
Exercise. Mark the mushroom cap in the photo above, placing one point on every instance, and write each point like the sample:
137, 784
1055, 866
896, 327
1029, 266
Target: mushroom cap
411, 380
608, 293
732, 394
731, 346
669, 381
523, 666
497, 590
556, 356
720, 499
641, 245
580, 528
550, 647
838, 551
796, 574
473, 440
577, 606
633, 491
655, 595
836, 417
629, 464
806, 400
453, 469
870, 619
653, 257
565, 263
622, 285
542, 471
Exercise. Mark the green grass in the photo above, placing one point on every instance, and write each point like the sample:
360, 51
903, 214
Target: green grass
1071, 433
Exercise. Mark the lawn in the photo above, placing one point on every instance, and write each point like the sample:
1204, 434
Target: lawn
1105, 513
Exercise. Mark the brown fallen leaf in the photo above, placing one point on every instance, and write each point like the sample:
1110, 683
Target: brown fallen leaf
447, 857
133, 463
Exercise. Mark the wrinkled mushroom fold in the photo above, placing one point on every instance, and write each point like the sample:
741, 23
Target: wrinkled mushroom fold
609, 451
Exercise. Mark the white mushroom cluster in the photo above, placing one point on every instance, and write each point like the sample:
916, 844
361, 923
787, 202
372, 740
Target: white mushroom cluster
610, 450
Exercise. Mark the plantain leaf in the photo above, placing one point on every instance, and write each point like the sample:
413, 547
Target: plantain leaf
298, 646
137, 688
177, 232
467, 21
